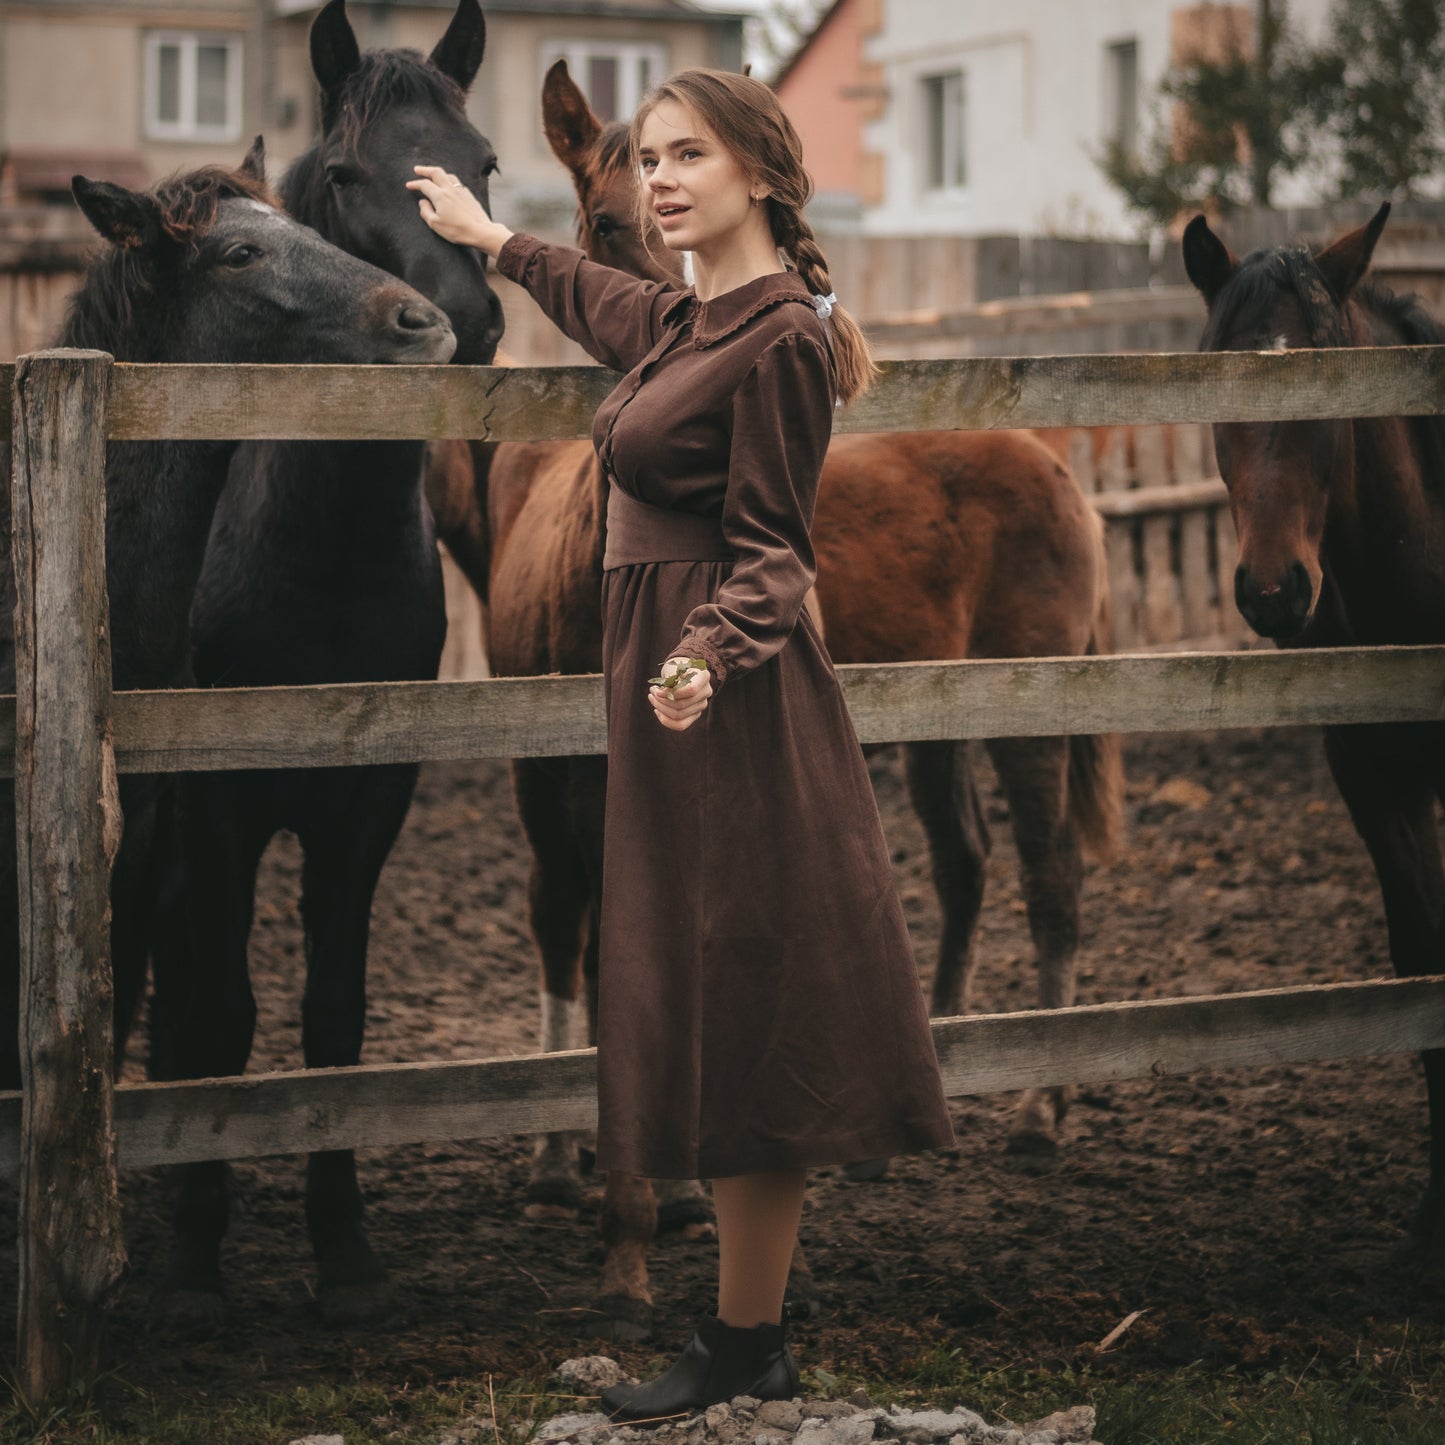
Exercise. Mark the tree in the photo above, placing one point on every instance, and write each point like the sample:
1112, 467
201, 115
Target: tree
1236, 110
1376, 94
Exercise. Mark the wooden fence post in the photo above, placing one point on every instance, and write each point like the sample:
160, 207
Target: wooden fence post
67, 830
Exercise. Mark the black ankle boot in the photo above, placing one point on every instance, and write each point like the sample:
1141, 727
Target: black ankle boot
720, 1363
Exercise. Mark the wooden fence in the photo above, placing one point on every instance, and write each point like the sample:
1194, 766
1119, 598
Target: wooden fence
66, 735
1171, 543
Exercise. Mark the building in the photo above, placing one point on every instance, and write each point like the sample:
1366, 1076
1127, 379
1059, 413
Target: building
133, 89
967, 117
821, 88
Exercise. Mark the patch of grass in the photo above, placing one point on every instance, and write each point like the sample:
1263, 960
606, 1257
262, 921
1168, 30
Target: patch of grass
1390, 1394
111, 1411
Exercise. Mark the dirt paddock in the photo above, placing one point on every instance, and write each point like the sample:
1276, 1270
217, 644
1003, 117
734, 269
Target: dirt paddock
1253, 1217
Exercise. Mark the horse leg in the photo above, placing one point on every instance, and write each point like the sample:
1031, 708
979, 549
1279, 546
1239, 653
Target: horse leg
559, 906
146, 806
352, 826
941, 787
203, 1012
629, 1221
1392, 803
1034, 775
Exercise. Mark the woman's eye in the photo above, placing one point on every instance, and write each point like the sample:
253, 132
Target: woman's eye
241, 255
690, 154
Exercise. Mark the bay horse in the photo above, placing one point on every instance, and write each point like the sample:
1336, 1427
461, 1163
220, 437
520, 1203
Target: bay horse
929, 545
204, 268
1341, 529
322, 567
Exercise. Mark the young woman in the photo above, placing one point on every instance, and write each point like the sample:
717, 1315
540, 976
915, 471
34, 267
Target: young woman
758, 1005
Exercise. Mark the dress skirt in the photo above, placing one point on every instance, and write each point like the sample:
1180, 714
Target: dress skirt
758, 1003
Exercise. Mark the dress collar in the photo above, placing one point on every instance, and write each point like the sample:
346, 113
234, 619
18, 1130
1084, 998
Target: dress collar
722, 315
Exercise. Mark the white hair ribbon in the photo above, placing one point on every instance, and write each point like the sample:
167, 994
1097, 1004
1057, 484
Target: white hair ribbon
823, 305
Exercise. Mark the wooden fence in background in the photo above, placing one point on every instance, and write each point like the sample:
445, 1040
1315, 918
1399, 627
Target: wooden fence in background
66, 735
1171, 543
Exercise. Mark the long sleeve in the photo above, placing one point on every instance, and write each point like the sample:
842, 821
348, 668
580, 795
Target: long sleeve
614, 317
782, 421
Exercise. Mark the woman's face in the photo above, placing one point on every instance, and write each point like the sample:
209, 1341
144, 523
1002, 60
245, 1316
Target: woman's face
700, 196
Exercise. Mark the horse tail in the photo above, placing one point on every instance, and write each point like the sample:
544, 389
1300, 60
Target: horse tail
1096, 766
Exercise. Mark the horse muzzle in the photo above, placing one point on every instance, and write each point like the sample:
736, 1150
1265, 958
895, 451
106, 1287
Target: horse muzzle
1278, 609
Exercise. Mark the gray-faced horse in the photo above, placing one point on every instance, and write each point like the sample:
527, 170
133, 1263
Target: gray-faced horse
929, 545
1342, 541
322, 567
205, 268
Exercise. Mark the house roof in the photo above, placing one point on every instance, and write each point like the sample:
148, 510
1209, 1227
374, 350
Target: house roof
806, 43
624, 9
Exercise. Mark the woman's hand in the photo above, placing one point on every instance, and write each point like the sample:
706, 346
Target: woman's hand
677, 708
454, 213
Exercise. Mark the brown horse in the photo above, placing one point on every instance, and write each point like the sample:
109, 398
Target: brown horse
1341, 541
929, 545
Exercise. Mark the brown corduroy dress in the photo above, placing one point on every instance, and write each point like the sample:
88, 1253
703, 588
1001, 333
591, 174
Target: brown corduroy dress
758, 1003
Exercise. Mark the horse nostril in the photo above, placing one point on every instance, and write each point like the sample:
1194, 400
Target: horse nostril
412, 317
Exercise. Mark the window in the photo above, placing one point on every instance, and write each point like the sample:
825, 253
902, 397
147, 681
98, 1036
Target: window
613, 77
192, 85
943, 131
1121, 96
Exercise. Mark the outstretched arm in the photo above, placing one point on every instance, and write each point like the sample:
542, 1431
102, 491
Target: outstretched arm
454, 213
614, 317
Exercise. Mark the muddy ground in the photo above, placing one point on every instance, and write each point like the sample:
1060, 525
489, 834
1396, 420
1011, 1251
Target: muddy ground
1251, 1216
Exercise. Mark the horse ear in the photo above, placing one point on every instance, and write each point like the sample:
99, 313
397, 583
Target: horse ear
1343, 263
567, 119
459, 52
334, 51
1207, 260
128, 219
254, 164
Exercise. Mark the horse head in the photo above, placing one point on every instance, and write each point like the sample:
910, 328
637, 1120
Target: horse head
381, 113
597, 157
1282, 476
207, 267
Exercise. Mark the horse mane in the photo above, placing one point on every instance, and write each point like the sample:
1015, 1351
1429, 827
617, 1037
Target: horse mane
1417, 327
1263, 274
115, 307
1258, 280
610, 155
612, 148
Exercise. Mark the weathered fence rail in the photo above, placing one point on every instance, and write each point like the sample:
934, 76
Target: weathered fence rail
528, 404
211, 730
376, 1105
67, 404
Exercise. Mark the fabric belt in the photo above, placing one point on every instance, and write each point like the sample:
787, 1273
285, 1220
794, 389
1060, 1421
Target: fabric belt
639, 532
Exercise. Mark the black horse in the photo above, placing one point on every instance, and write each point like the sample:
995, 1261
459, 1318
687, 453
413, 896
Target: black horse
206, 268
1342, 541
322, 567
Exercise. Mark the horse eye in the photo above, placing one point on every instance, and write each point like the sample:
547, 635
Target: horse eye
241, 255
603, 227
491, 168
339, 177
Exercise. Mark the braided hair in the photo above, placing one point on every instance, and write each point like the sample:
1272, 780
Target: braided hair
747, 118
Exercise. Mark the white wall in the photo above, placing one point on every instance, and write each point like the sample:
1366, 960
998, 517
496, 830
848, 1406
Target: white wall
1036, 110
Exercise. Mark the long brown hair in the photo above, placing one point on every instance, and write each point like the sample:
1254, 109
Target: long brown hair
747, 118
